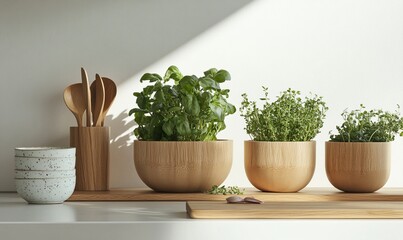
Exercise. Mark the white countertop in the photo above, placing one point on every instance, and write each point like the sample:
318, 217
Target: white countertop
166, 220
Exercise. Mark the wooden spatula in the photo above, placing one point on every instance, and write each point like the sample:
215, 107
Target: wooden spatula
98, 100
110, 94
86, 95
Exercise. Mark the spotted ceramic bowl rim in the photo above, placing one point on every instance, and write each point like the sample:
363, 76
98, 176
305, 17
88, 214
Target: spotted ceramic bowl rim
46, 171
26, 158
45, 151
44, 179
42, 148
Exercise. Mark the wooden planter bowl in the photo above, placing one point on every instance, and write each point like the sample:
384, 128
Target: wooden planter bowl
358, 167
182, 166
280, 166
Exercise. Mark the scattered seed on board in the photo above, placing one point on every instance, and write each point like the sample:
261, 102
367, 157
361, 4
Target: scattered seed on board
252, 200
238, 199
235, 199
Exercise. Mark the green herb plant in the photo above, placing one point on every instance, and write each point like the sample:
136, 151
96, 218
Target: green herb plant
288, 118
234, 190
362, 125
182, 108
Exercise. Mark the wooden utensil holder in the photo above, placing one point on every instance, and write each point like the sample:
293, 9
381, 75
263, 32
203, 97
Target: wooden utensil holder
92, 157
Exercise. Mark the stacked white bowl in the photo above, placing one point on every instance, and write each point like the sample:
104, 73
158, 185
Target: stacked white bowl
45, 174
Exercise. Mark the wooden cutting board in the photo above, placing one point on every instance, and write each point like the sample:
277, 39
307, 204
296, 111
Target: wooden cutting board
306, 195
296, 210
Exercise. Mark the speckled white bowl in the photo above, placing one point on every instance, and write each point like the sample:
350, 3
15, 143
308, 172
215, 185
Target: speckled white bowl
23, 174
43, 191
44, 164
47, 152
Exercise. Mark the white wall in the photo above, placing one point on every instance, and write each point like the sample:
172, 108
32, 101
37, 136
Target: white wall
350, 52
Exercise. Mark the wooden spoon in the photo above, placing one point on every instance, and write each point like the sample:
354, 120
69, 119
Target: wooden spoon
87, 95
98, 97
110, 94
74, 100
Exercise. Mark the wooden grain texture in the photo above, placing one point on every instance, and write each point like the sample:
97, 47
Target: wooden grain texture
74, 100
97, 100
279, 166
358, 167
110, 94
296, 210
305, 195
92, 157
182, 166
87, 96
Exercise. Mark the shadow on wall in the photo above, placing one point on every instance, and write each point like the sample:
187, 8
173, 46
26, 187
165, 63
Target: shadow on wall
44, 45
121, 152
122, 130
123, 37
156, 29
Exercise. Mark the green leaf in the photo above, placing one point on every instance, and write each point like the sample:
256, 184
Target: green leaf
218, 111
225, 92
208, 83
168, 128
211, 72
230, 108
182, 126
221, 100
141, 101
137, 133
155, 127
173, 73
131, 111
157, 132
148, 90
221, 126
195, 106
159, 96
157, 86
156, 106
222, 76
191, 104
173, 91
139, 117
152, 77
188, 83
206, 98
134, 110
174, 109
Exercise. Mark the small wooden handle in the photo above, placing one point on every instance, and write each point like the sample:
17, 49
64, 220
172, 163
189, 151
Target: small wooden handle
99, 101
87, 95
